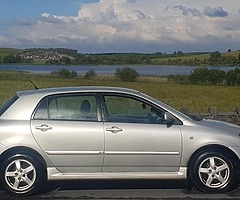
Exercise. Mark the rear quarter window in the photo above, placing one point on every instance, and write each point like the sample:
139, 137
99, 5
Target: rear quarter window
7, 104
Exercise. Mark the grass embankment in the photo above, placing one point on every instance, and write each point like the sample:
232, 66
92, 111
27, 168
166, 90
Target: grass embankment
194, 97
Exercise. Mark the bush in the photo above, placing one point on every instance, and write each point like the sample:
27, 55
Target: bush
216, 77
199, 76
127, 74
64, 73
233, 77
178, 79
91, 74
205, 76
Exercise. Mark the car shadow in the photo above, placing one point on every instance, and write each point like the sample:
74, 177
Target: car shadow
116, 184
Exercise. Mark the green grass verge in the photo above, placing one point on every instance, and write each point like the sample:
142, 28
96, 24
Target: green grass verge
194, 97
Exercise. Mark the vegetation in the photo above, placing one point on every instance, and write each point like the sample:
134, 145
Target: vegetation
204, 76
8, 51
64, 73
197, 98
198, 91
91, 74
62, 56
127, 74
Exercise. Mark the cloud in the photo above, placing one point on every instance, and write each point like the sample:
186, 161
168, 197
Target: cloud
215, 12
53, 19
188, 11
134, 25
3, 40
23, 21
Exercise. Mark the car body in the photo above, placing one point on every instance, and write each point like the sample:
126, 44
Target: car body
77, 133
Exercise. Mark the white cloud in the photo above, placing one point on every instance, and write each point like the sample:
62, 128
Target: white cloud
134, 24
3, 40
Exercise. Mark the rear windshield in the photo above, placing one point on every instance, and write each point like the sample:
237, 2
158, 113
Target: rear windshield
6, 105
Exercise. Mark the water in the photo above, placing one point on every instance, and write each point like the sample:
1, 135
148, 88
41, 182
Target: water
108, 70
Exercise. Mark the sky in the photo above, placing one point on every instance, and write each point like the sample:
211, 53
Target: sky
121, 26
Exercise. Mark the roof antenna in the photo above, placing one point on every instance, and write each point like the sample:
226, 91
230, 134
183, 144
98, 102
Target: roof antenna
36, 88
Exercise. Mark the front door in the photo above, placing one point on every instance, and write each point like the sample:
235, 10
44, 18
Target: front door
137, 139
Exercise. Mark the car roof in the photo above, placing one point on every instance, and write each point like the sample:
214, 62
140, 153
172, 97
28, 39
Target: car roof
57, 90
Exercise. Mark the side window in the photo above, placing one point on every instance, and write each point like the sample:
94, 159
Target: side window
68, 107
42, 110
129, 110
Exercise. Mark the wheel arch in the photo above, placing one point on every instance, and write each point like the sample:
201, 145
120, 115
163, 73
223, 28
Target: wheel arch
216, 148
23, 150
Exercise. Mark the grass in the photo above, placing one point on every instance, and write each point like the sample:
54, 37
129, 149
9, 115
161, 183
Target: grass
193, 97
188, 57
200, 57
7, 51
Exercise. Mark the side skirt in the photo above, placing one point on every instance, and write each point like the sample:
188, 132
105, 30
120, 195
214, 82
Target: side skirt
54, 174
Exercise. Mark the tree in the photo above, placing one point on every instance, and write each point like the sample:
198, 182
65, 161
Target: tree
229, 50
8, 59
65, 60
215, 56
233, 77
64, 73
199, 75
91, 74
180, 53
126, 74
12, 59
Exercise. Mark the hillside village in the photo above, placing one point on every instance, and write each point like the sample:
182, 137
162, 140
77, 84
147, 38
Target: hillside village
43, 55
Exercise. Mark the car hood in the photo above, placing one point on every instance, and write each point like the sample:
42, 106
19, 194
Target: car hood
221, 127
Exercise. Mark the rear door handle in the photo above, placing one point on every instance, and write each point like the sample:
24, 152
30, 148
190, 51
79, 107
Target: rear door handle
43, 127
114, 129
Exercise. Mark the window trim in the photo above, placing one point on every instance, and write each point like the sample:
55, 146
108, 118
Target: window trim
134, 97
46, 98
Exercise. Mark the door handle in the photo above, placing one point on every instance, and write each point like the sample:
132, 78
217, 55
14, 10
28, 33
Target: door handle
114, 129
43, 127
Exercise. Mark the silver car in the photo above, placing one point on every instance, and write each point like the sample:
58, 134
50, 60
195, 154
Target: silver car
110, 133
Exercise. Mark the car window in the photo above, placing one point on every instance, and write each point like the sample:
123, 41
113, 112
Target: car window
130, 110
70, 107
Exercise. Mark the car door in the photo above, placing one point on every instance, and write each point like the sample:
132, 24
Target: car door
137, 139
69, 130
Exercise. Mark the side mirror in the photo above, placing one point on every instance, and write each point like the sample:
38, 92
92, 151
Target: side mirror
169, 119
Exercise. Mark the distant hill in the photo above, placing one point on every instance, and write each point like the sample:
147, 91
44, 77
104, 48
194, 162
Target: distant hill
64, 56
7, 51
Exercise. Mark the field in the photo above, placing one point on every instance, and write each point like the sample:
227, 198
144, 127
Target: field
200, 57
193, 97
7, 51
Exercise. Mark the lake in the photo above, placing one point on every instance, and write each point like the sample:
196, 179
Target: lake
142, 70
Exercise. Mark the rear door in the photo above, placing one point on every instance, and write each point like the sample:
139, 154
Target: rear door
69, 130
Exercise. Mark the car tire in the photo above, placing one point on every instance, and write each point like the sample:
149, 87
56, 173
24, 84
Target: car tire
213, 172
22, 175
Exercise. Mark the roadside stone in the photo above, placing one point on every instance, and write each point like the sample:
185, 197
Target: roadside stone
212, 111
237, 110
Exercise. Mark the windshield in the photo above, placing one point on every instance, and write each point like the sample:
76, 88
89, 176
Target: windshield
176, 112
6, 105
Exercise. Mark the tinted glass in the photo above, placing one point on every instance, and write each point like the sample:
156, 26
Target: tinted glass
129, 110
72, 107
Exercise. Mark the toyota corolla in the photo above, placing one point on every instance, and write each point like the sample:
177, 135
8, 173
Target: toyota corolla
110, 133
